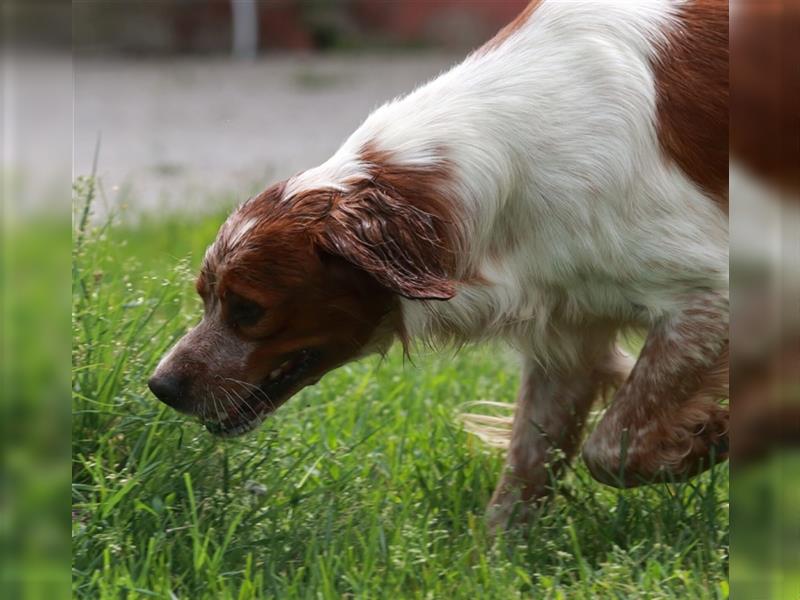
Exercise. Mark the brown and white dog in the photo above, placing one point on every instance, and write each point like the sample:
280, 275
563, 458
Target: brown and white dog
566, 181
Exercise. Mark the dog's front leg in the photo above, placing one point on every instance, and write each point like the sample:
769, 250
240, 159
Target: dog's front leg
666, 421
548, 419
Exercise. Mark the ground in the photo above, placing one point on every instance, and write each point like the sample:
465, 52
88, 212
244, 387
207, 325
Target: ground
364, 486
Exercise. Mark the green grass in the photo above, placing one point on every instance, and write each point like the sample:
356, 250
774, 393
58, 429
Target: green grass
34, 407
363, 486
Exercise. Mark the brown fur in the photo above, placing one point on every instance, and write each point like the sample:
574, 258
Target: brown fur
765, 96
399, 226
691, 73
323, 269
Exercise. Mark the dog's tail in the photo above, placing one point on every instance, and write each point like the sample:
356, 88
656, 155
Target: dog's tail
492, 430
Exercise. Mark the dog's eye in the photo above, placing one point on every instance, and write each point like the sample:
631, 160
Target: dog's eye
243, 312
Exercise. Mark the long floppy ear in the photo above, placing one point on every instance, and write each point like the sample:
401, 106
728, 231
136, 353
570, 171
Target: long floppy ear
403, 247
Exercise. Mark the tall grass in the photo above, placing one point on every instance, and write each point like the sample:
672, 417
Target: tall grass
362, 486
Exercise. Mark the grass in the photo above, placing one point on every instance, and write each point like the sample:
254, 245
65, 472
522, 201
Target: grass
363, 486
34, 411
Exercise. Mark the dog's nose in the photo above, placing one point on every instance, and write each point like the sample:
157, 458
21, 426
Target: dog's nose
168, 389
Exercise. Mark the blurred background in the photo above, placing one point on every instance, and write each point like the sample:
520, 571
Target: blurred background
217, 98
192, 105
765, 293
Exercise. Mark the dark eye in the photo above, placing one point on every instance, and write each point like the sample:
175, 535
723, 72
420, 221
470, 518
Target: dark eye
243, 312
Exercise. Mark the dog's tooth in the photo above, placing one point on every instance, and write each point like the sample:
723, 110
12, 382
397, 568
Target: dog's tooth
275, 374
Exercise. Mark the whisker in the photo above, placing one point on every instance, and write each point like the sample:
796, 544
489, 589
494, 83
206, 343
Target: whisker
244, 383
245, 402
255, 388
232, 404
216, 407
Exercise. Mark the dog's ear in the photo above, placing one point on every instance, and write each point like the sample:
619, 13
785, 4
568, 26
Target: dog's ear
404, 248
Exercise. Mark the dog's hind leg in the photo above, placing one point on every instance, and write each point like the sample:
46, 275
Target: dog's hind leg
666, 421
548, 420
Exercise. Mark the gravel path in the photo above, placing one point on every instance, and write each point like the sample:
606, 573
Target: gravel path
189, 134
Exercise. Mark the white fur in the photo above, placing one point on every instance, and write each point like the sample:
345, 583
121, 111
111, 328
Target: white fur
552, 137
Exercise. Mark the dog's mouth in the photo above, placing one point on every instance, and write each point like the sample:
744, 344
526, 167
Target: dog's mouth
245, 411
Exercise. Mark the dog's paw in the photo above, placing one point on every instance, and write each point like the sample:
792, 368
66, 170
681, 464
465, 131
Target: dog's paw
697, 440
668, 448
710, 438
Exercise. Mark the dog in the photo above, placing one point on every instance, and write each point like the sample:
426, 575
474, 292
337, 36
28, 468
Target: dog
567, 181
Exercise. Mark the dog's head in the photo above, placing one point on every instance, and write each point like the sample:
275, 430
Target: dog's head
297, 285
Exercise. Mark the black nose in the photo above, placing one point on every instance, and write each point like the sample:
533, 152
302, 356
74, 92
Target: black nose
168, 388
